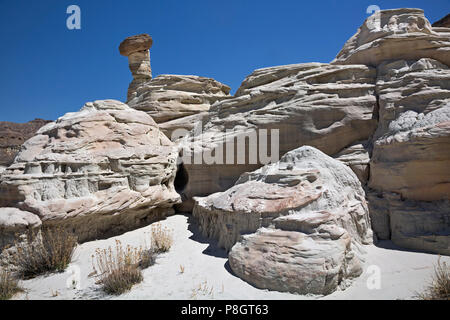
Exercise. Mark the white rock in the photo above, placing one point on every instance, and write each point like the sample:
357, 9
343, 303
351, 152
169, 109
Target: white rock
398, 34
100, 171
304, 219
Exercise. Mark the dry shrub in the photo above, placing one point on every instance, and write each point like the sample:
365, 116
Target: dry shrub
118, 270
9, 285
50, 251
439, 287
203, 289
121, 280
162, 238
148, 258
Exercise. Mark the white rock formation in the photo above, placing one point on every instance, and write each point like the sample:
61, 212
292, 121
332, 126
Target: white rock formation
405, 159
411, 154
417, 225
328, 107
177, 101
396, 34
410, 163
100, 171
357, 158
305, 219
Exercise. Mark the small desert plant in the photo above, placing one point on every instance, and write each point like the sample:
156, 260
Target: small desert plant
439, 287
119, 270
181, 268
161, 238
9, 285
121, 280
203, 289
50, 251
148, 258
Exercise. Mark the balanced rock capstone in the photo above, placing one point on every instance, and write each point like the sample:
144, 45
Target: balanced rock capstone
137, 49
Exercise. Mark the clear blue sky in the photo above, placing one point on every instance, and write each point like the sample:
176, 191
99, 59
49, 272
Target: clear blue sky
48, 70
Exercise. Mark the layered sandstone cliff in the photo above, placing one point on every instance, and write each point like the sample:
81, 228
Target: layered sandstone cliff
381, 107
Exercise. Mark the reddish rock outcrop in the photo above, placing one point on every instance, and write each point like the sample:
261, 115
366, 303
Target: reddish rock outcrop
442, 23
13, 135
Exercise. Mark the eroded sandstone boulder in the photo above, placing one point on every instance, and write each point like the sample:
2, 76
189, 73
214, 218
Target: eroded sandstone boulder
100, 171
303, 221
394, 35
329, 107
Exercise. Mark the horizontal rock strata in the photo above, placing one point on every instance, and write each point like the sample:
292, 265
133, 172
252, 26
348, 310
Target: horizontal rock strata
325, 106
177, 101
100, 171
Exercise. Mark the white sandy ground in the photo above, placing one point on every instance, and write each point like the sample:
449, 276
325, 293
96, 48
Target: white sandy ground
402, 273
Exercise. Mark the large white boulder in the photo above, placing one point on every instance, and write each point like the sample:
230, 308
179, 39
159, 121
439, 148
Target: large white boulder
296, 225
100, 171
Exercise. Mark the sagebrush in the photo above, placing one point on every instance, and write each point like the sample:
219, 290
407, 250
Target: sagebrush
51, 250
439, 287
162, 238
118, 270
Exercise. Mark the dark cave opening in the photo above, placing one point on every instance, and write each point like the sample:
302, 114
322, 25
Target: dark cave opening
181, 178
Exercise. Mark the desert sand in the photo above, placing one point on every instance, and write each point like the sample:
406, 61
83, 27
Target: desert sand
207, 275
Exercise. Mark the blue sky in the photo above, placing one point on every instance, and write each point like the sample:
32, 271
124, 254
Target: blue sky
48, 70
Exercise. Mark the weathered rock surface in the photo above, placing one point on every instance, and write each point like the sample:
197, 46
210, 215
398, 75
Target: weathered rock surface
100, 171
181, 127
304, 217
357, 158
409, 167
178, 101
136, 48
326, 106
394, 35
13, 135
15, 223
419, 225
411, 153
411, 147
134, 44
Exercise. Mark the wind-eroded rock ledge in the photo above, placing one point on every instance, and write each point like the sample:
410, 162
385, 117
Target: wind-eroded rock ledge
100, 171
